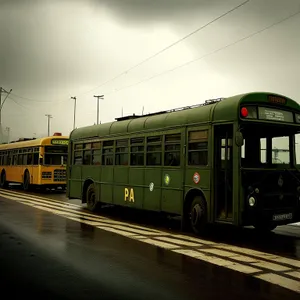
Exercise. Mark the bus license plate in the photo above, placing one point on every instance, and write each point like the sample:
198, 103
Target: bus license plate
282, 217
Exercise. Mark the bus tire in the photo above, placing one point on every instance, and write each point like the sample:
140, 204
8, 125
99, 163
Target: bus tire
91, 199
3, 182
26, 181
198, 214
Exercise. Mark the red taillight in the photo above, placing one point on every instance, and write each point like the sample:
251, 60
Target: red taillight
244, 112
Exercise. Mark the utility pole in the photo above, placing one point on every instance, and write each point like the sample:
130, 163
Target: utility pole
49, 117
2, 90
74, 111
98, 97
8, 131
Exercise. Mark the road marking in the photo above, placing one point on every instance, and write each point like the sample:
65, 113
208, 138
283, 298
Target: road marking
236, 258
270, 266
294, 274
280, 280
37, 197
179, 242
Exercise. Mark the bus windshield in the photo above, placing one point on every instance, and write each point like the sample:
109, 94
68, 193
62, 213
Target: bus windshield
55, 155
268, 146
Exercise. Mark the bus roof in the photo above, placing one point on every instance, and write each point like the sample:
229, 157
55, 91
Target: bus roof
217, 110
45, 141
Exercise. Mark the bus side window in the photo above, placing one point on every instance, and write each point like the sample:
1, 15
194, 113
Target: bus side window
29, 159
78, 154
154, 151
172, 150
198, 148
137, 149
122, 155
87, 154
35, 159
108, 153
297, 148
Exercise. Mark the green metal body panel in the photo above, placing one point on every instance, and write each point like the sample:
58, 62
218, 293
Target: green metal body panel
162, 188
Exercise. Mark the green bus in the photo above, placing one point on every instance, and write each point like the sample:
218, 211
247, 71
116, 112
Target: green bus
230, 160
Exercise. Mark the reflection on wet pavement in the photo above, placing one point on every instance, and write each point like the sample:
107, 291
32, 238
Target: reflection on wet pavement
126, 265
270, 266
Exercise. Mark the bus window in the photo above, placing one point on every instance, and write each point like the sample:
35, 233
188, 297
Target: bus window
96, 157
154, 151
280, 150
197, 148
121, 156
35, 159
108, 153
263, 150
297, 148
172, 149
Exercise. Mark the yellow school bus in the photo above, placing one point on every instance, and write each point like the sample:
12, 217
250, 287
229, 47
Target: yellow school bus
36, 162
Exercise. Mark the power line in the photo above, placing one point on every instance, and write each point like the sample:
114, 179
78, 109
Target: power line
148, 58
169, 46
17, 103
208, 54
38, 101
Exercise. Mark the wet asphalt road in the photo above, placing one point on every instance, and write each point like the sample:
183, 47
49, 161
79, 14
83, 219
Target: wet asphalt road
285, 240
44, 255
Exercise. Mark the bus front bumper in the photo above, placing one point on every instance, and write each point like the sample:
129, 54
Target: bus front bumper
281, 216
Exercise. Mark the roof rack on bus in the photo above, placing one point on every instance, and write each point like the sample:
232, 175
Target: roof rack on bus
134, 116
22, 140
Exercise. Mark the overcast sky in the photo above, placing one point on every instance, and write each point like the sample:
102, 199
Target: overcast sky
52, 50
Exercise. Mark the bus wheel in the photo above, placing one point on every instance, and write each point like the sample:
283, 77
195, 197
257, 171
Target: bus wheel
198, 215
91, 199
3, 183
26, 181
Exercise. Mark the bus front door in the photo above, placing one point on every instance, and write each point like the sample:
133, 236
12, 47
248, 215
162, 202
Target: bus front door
223, 173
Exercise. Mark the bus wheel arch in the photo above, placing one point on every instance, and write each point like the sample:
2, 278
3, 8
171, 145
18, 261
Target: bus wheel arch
26, 180
195, 211
3, 182
89, 195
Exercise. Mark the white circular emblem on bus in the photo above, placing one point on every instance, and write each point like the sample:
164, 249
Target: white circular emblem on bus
151, 186
196, 177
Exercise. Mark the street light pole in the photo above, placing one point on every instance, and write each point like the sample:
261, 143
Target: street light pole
8, 131
98, 97
2, 90
49, 117
74, 111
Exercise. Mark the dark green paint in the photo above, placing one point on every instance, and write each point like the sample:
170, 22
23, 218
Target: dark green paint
111, 180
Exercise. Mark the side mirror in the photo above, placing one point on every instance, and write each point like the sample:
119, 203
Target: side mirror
239, 139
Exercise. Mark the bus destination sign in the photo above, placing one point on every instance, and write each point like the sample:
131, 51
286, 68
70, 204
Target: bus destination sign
60, 142
277, 99
275, 115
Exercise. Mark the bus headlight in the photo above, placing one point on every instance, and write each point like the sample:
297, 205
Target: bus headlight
251, 201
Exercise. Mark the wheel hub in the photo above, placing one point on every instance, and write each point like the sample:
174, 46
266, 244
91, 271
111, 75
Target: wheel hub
196, 214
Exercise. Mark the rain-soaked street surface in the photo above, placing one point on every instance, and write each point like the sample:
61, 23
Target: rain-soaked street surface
53, 248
